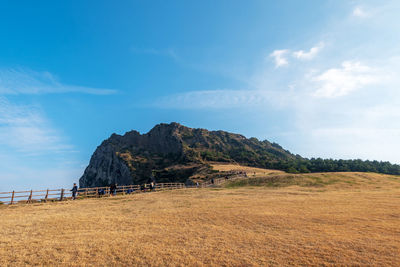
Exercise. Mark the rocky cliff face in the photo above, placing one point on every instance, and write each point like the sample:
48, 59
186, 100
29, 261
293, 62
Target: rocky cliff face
105, 167
172, 152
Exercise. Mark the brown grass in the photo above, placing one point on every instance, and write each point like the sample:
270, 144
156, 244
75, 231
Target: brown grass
295, 225
251, 171
323, 181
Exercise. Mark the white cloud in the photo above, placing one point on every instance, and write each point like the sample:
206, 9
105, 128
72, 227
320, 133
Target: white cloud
301, 54
341, 104
25, 129
351, 76
279, 57
168, 52
20, 81
360, 12
214, 99
33, 154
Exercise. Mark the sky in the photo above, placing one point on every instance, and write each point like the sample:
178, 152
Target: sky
319, 77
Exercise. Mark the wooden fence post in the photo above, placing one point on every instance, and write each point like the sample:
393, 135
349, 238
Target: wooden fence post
47, 195
12, 197
62, 194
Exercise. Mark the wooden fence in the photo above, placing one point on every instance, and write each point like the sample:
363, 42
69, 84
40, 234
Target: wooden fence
36, 196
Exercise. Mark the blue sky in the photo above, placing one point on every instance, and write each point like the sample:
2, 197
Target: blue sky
318, 77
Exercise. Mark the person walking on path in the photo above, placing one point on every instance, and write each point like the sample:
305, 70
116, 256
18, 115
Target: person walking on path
113, 189
74, 191
152, 186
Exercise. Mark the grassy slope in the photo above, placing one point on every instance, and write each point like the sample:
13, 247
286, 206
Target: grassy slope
333, 180
338, 180
293, 225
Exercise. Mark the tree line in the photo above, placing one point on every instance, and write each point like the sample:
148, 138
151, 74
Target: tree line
303, 165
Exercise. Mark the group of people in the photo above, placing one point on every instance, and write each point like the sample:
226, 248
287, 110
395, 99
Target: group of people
113, 189
151, 187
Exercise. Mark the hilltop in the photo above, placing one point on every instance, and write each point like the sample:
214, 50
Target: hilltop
175, 153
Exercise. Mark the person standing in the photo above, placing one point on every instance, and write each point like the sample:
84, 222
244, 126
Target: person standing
74, 191
113, 189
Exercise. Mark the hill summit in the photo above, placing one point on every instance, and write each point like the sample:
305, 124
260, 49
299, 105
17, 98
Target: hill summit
173, 152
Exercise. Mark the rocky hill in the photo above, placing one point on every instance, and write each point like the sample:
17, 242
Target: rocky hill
173, 152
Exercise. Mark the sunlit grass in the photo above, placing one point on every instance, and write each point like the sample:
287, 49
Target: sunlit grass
338, 223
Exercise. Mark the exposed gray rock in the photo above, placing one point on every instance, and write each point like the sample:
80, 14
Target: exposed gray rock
172, 152
105, 167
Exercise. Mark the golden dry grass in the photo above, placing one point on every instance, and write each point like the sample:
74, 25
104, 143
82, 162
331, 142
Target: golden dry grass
241, 227
323, 181
251, 171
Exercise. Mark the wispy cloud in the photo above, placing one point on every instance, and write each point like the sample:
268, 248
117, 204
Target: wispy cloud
360, 12
301, 54
351, 76
23, 81
25, 129
280, 58
32, 150
220, 99
341, 103
167, 52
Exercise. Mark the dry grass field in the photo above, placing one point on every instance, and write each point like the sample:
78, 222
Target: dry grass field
322, 223
251, 171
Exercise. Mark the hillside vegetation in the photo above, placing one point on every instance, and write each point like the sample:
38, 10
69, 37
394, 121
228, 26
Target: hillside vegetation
351, 221
175, 153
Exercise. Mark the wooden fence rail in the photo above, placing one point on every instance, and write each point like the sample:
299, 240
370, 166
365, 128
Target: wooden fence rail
35, 196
